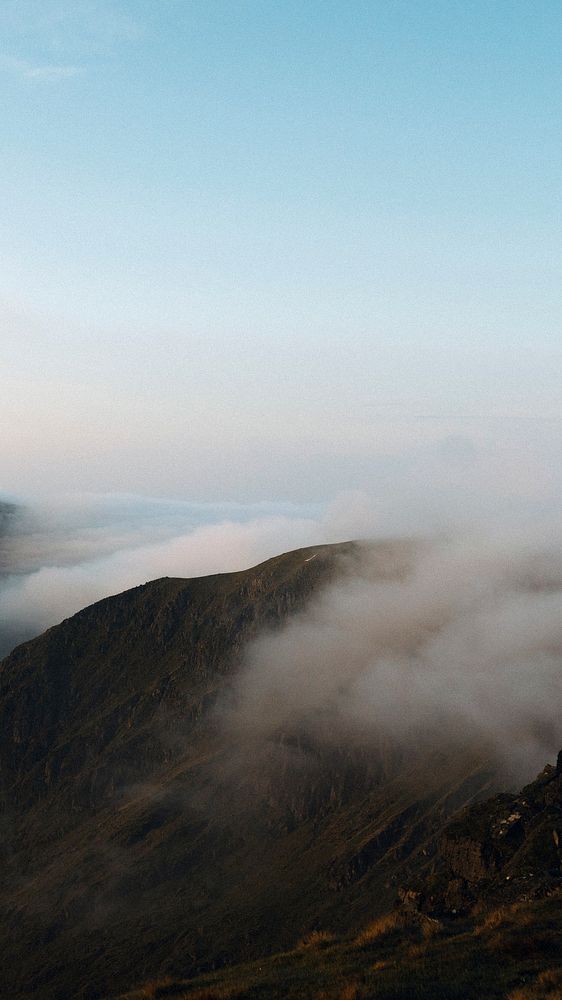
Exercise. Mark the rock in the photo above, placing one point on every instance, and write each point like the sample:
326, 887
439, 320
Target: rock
507, 848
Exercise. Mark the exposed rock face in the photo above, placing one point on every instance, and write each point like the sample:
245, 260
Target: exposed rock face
468, 859
507, 847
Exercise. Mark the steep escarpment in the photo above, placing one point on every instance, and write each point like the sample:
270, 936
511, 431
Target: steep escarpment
498, 851
141, 835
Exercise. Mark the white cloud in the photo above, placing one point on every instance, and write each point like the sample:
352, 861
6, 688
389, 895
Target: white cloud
461, 637
86, 27
64, 556
31, 71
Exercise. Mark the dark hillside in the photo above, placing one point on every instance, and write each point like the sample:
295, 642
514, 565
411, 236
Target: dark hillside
492, 931
140, 838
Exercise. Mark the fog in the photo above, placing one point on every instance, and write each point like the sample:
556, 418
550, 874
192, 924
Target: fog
61, 554
461, 629
455, 637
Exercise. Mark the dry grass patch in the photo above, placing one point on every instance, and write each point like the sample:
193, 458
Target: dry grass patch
381, 964
378, 928
156, 988
236, 992
500, 916
430, 927
398, 920
316, 939
520, 933
547, 986
417, 950
350, 992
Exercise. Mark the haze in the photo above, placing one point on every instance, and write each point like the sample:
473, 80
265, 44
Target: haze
270, 252
427, 643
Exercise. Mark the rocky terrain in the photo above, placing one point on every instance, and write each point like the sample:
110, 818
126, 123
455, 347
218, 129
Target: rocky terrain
484, 921
505, 849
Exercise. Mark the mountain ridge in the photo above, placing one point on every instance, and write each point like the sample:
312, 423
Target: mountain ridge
141, 838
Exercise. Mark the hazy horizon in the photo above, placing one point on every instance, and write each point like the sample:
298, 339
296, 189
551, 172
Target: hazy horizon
273, 252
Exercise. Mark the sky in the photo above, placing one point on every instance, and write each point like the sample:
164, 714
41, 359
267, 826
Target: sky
275, 252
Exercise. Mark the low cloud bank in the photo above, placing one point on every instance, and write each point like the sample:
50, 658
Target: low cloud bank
61, 556
462, 632
465, 638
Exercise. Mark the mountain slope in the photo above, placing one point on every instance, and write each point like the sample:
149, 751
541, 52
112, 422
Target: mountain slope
140, 836
493, 931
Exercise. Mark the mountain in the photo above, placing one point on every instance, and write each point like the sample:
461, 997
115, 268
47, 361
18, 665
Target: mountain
498, 852
484, 923
143, 838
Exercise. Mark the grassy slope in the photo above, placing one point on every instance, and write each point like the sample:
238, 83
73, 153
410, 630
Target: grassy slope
512, 952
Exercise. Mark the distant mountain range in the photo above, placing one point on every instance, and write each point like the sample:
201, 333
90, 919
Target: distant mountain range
143, 841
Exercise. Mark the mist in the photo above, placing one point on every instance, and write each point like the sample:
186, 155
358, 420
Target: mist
456, 630
61, 554
457, 639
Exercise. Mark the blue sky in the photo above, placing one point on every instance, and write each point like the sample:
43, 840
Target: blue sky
256, 251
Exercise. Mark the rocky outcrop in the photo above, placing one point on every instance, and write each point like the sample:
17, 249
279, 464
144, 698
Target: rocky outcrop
506, 848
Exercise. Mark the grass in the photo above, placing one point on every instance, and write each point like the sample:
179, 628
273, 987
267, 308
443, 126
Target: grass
316, 939
380, 927
157, 988
546, 986
403, 921
510, 953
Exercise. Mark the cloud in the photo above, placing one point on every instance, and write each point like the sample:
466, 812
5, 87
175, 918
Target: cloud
455, 635
62, 555
455, 640
58, 36
81, 27
30, 71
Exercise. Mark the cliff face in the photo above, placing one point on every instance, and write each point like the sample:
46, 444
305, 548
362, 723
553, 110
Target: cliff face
501, 850
141, 836
518, 838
